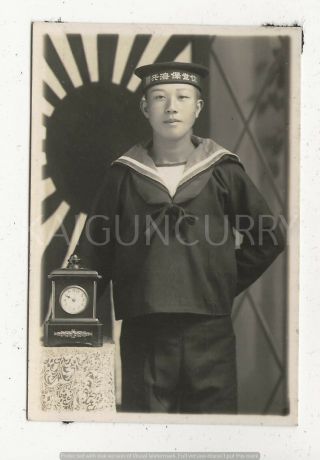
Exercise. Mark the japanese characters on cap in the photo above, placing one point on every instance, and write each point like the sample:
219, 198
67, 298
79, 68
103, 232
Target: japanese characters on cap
171, 72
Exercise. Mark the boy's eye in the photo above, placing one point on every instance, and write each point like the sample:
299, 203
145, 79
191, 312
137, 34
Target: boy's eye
183, 96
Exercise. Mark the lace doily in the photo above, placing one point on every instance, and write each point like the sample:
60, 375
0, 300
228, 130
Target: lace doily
76, 378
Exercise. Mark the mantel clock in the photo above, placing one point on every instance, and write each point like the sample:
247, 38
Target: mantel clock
73, 320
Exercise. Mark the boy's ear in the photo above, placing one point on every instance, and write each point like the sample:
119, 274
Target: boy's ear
199, 106
144, 106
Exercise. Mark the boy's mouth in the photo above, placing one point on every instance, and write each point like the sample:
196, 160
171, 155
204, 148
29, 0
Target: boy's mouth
172, 120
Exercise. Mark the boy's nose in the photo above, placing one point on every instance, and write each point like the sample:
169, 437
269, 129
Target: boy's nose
171, 106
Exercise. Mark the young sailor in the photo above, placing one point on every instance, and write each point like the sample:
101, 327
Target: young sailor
162, 228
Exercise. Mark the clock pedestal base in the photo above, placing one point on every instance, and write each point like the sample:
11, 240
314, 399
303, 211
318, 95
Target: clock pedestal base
78, 383
73, 334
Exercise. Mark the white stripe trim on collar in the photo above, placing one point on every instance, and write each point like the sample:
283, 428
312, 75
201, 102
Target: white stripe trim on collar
204, 164
187, 175
141, 168
137, 163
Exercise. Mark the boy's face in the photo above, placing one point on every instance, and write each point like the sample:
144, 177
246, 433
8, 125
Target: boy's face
172, 109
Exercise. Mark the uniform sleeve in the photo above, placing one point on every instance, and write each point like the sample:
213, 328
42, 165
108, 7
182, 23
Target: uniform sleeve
96, 243
263, 237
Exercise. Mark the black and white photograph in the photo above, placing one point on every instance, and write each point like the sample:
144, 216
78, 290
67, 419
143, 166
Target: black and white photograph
164, 224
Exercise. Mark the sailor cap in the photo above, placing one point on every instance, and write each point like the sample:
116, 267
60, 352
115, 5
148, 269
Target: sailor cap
161, 73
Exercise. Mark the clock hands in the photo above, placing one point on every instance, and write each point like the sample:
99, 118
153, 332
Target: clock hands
69, 297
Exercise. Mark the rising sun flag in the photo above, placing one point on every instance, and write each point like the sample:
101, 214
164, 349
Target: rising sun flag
91, 116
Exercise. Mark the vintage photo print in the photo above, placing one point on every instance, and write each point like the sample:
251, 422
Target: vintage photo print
164, 224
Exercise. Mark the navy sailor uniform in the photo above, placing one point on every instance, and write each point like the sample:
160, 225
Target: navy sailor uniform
176, 271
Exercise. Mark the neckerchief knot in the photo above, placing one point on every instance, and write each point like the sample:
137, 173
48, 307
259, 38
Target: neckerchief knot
179, 219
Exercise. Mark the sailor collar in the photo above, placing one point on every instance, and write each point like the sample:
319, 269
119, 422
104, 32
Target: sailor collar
205, 155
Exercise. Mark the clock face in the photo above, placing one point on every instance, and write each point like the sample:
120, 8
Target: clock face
73, 299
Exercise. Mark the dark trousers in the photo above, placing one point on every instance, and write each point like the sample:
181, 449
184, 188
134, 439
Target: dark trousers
183, 363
